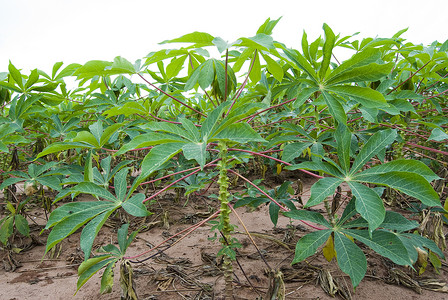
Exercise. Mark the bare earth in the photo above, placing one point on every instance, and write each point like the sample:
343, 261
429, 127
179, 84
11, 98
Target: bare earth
189, 269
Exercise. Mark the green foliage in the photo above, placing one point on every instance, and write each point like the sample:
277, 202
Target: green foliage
69, 217
14, 219
106, 261
372, 121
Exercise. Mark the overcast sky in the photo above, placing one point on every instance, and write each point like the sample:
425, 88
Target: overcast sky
38, 33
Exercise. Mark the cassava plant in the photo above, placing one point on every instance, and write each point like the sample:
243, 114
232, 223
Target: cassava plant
178, 113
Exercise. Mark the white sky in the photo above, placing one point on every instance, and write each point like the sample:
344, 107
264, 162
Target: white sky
38, 33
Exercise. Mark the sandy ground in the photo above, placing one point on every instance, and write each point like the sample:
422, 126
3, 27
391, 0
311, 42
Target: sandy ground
189, 269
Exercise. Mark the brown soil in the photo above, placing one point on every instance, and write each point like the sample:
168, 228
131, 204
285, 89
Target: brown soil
189, 269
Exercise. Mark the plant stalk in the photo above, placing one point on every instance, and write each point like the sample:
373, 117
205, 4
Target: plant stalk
225, 211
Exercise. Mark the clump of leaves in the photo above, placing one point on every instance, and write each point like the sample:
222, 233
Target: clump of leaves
107, 261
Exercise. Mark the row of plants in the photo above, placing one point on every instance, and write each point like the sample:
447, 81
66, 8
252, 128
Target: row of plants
374, 123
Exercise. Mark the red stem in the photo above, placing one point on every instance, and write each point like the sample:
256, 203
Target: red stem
180, 179
270, 198
237, 95
437, 94
427, 148
273, 158
225, 73
424, 155
191, 229
412, 75
175, 99
260, 112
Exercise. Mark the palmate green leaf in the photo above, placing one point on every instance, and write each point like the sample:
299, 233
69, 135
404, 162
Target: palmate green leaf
326, 50
395, 221
95, 190
55, 69
304, 95
423, 242
121, 66
66, 219
238, 113
384, 243
102, 68
371, 72
351, 259
86, 265
268, 26
15, 74
120, 184
301, 63
201, 39
135, 207
221, 76
366, 96
61, 146
51, 182
163, 54
273, 212
91, 267
273, 67
15, 139
92, 68
317, 166
335, 108
122, 237
169, 128
255, 74
294, 150
149, 139
374, 145
239, 133
88, 170
349, 212
88, 138
48, 88
107, 279
308, 244
10, 181
438, 135
343, 139
3, 147
368, 204
410, 248
207, 74
96, 129
67, 71
90, 231
409, 183
196, 151
127, 109
193, 79
305, 46
193, 133
401, 165
6, 129
22, 225
220, 44
6, 228
10, 87
307, 215
108, 132
32, 79
212, 121
323, 188
155, 159
175, 66
260, 41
